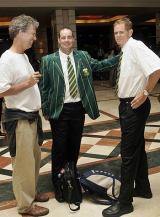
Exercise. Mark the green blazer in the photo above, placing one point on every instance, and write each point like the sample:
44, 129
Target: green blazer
52, 84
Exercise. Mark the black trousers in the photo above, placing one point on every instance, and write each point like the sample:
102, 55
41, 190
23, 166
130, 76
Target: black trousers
134, 168
67, 133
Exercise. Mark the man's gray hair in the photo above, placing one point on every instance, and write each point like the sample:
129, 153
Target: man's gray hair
21, 23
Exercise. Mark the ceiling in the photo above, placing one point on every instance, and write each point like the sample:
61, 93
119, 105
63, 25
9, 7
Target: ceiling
46, 11
138, 15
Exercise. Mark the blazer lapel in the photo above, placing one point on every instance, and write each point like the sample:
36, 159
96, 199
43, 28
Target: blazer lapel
58, 64
77, 60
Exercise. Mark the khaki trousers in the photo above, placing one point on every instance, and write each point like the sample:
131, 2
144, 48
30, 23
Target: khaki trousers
26, 164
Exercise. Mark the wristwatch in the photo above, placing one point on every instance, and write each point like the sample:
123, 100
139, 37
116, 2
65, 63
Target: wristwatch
145, 92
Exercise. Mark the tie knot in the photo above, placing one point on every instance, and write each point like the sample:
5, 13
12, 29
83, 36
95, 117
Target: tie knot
68, 61
68, 58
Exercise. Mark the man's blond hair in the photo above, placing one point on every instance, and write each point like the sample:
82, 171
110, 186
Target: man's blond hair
126, 21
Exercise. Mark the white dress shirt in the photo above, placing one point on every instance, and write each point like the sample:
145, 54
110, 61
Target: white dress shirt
63, 58
138, 62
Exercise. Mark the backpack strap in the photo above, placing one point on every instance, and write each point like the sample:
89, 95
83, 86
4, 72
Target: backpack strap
70, 189
89, 187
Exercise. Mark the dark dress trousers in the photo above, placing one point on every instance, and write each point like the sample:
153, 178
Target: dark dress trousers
134, 168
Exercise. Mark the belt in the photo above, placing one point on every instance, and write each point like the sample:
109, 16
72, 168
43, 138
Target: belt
126, 100
73, 103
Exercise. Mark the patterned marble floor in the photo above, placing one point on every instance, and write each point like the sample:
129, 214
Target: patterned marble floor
99, 149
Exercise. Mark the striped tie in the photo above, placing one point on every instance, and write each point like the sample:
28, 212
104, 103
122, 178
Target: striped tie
118, 73
72, 79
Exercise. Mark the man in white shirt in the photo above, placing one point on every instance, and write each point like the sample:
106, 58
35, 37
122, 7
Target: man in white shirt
18, 86
139, 72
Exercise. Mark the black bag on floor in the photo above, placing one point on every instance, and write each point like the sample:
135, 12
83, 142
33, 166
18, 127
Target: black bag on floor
101, 186
71, 187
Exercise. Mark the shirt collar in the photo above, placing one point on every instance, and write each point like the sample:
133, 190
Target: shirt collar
130, 39
63, 55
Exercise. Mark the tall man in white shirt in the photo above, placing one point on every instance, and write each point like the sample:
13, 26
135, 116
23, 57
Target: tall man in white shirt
139, 72
18, 86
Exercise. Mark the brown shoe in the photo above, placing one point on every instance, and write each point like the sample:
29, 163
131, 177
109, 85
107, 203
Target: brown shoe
25, 215
41, 197
36, 211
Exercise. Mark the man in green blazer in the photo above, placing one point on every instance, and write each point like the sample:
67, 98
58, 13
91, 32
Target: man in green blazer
67, 94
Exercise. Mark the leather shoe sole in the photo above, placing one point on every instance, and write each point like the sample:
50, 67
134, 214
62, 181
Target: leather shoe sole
25, 215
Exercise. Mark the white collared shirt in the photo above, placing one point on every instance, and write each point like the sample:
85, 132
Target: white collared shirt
63, 58
138, 62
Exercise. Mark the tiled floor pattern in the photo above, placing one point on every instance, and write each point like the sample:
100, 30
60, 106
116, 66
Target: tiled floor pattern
99, 148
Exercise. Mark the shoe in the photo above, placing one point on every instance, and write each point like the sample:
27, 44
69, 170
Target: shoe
25, 215
41, 197
36, 211
58, 193
146, 195
59, 196
116, 210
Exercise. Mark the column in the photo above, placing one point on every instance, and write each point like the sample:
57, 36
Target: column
158, 31
60, 19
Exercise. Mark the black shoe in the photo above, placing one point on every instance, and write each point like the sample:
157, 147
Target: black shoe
58, 193
146, 195
117, 210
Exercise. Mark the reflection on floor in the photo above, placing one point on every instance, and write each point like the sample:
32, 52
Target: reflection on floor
99, 149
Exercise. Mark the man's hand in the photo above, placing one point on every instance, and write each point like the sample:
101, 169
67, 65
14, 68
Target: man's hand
138, 100
46, 117
17, 88
34, 79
